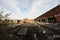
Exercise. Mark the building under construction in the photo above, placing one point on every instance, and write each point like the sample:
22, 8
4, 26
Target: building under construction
52, 16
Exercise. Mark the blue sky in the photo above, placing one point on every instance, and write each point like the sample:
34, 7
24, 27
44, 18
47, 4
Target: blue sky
21, 9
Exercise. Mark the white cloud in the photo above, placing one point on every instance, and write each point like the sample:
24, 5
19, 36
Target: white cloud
41, 6
36, 8
13, 5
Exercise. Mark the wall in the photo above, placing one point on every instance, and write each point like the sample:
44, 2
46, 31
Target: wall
58, 19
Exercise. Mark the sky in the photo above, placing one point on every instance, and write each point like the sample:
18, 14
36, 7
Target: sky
21, 9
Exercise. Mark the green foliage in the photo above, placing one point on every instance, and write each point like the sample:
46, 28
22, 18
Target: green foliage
5, 21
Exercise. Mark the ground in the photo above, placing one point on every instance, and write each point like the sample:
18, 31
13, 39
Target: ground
34, 31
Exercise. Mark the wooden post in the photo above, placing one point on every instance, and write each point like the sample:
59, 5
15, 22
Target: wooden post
35, 37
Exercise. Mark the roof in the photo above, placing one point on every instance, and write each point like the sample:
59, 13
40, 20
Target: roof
51, 12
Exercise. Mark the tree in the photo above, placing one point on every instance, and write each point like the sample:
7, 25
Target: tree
3, 27
1, 16
4, 18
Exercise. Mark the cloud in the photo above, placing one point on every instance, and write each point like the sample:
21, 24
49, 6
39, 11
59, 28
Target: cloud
41, 6
35, 9
28, 8
13, 5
